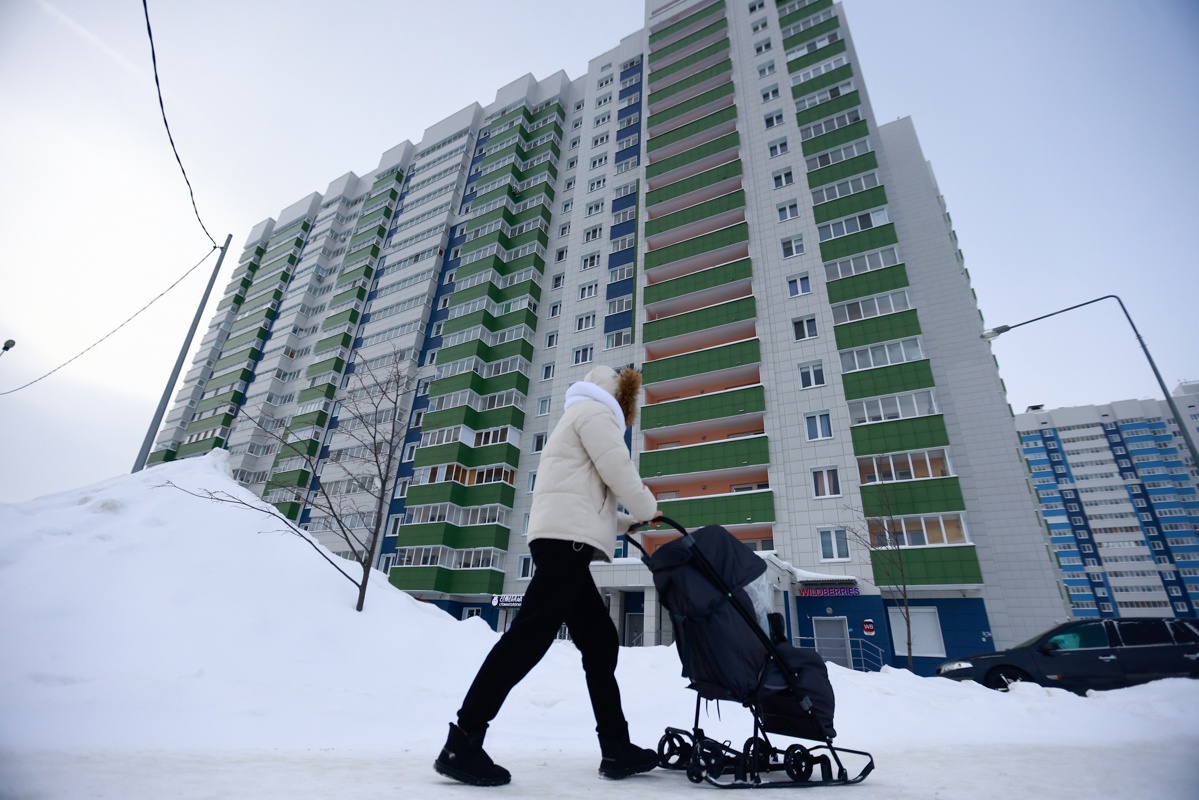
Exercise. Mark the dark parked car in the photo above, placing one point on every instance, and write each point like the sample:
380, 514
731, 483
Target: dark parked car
1090, 654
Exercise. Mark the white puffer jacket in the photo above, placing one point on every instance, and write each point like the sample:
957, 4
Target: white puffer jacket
585, 470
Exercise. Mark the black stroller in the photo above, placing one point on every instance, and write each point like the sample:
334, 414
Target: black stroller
701, 580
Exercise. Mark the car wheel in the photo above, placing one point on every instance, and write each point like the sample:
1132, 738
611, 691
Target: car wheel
1001, 678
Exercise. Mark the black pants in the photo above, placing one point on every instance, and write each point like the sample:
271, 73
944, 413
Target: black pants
562, 590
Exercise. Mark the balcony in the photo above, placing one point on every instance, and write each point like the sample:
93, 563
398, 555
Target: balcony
712, 457
704, 328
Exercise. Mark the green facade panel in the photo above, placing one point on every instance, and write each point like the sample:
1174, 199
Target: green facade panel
730, 141
866, 284
840, 136
886, 328
703, 361
332, 343
803, 62
894, 379
927, 566
842, 170
908, 498
844, 206
688, 40
814, 32
700, 100
460, 495
717, 205
694, 183
734, 402
826, 109
700, 319
694, 79
803, 12
452, 535
698, 245
469, 457
698, 281
692, 128
313, 418
727, 454
830, 78
325, 390
899, 435
685, 22
202, 446
293, 477
449, 581
731, 509
683, 63
860, 242
328, 365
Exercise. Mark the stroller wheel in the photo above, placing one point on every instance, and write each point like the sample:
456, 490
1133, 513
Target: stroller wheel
674, 752
798, 762
757, 753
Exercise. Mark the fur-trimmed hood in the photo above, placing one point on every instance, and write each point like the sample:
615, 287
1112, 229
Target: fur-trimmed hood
623, 386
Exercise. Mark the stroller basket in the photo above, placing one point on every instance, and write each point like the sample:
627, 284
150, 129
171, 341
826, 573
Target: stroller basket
727, 655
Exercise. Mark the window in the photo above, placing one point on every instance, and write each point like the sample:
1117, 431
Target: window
524, 567
762, 47
560, 255
539, 441
811, 374
834, 545
774, 119
793, 246
770, 93
590, 260
818, 426
891, 467
595, 208
585, 322
567, 205
532, 480
551, 339
858, 264
859, 222
620, 273
602, 119
778, 148
597, 184
571, 163
872, 307
759, 25
543, 406
547, 372
765, 69
805, 327
880, 355
410, 451
825, 483
599, 161
604, 81
602, 100
891, 407
555, 310
574, 143
856, 184
757, 5
557, 281
588, 290
798, 285
831, 124
837, 155
620, 304
564, 228
583, 355
925, 629
788, 210
783, 178
596, 141
569, 183
623, 243
618, 339
591, 234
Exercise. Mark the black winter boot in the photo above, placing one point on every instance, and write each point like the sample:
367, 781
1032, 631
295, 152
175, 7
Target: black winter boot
463, 759
621, 758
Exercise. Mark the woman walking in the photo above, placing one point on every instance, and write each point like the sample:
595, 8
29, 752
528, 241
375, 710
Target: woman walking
585, 470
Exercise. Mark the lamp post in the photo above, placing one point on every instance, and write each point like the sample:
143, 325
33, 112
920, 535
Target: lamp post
8, 345
1182, 426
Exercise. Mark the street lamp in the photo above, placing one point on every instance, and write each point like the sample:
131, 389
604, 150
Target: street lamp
1182, 426
8, 345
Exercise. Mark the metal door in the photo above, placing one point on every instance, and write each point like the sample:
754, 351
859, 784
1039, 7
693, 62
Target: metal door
634, 625
832, 639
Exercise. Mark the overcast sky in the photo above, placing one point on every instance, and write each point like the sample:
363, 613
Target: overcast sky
1062, 135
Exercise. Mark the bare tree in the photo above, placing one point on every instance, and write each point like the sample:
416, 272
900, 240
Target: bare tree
352, 495
884, 538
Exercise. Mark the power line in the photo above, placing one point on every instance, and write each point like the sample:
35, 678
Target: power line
162, 108
117, 328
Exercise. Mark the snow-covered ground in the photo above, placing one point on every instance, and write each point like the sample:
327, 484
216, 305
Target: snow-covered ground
155, 645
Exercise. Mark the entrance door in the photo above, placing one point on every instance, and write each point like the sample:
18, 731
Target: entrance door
832, 639
634, 625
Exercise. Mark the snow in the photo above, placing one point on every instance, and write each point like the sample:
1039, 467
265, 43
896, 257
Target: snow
154, 644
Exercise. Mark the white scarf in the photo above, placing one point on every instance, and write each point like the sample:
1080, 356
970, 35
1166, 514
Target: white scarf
583, 391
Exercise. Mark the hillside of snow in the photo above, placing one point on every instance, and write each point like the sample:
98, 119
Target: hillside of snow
155, 644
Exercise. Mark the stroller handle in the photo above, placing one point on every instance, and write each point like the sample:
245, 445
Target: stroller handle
628, 535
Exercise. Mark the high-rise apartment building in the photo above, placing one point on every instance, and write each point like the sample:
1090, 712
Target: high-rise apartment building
714, 203
1119, 493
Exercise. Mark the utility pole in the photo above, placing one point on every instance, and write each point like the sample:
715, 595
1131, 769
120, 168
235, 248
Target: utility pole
144, 453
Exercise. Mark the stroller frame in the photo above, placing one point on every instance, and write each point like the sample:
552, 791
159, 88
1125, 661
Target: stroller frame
707, 760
